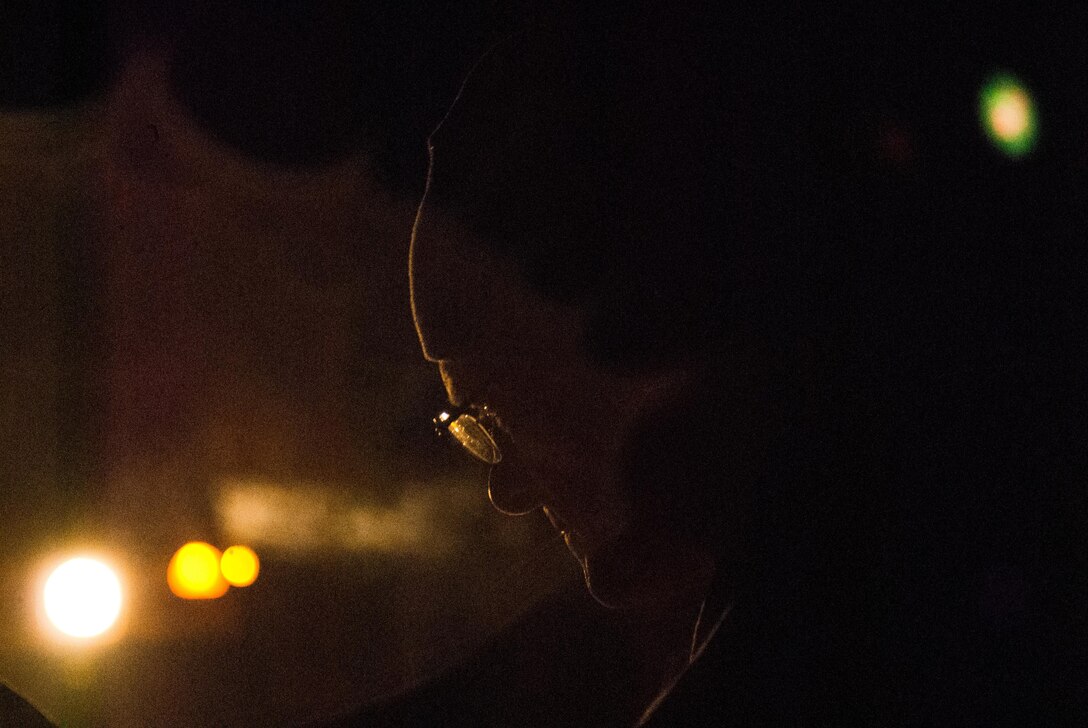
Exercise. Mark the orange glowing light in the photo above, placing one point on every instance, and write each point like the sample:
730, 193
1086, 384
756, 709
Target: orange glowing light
240, 565
193, 572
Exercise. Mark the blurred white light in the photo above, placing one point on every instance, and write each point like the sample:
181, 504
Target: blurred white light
82, 597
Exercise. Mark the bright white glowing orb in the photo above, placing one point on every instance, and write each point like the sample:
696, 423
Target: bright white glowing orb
82, 597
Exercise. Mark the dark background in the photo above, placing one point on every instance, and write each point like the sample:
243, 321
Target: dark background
204, 334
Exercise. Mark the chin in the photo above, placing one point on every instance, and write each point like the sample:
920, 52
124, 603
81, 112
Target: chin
632, 574
613, 585
607, 571
609, 599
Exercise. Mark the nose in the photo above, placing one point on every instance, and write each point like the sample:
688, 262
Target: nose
448, 371
421, 274
443, 283
427, 312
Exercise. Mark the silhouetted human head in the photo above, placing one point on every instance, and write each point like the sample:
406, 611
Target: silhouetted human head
651, 237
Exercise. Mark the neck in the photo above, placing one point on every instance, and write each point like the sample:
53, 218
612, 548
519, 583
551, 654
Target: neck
662, 643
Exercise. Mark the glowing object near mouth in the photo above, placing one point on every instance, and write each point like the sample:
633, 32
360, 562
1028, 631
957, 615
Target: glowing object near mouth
82, 598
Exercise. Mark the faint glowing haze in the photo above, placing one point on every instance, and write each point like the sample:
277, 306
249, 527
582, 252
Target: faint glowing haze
308, 517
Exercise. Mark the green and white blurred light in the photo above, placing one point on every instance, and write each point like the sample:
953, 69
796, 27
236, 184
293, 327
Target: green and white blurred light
1008, 115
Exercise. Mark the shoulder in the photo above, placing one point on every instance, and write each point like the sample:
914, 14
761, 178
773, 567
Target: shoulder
565, 663
14, 711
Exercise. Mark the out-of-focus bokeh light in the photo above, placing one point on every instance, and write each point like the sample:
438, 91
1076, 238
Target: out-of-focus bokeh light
1008, 115
240, 565
194, 573
82, 597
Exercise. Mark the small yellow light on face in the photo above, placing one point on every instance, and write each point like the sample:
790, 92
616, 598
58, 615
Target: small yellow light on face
194, 573
240, 565
82, 597
444, 417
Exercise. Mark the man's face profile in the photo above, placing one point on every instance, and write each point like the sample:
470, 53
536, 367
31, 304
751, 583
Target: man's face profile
561, 418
